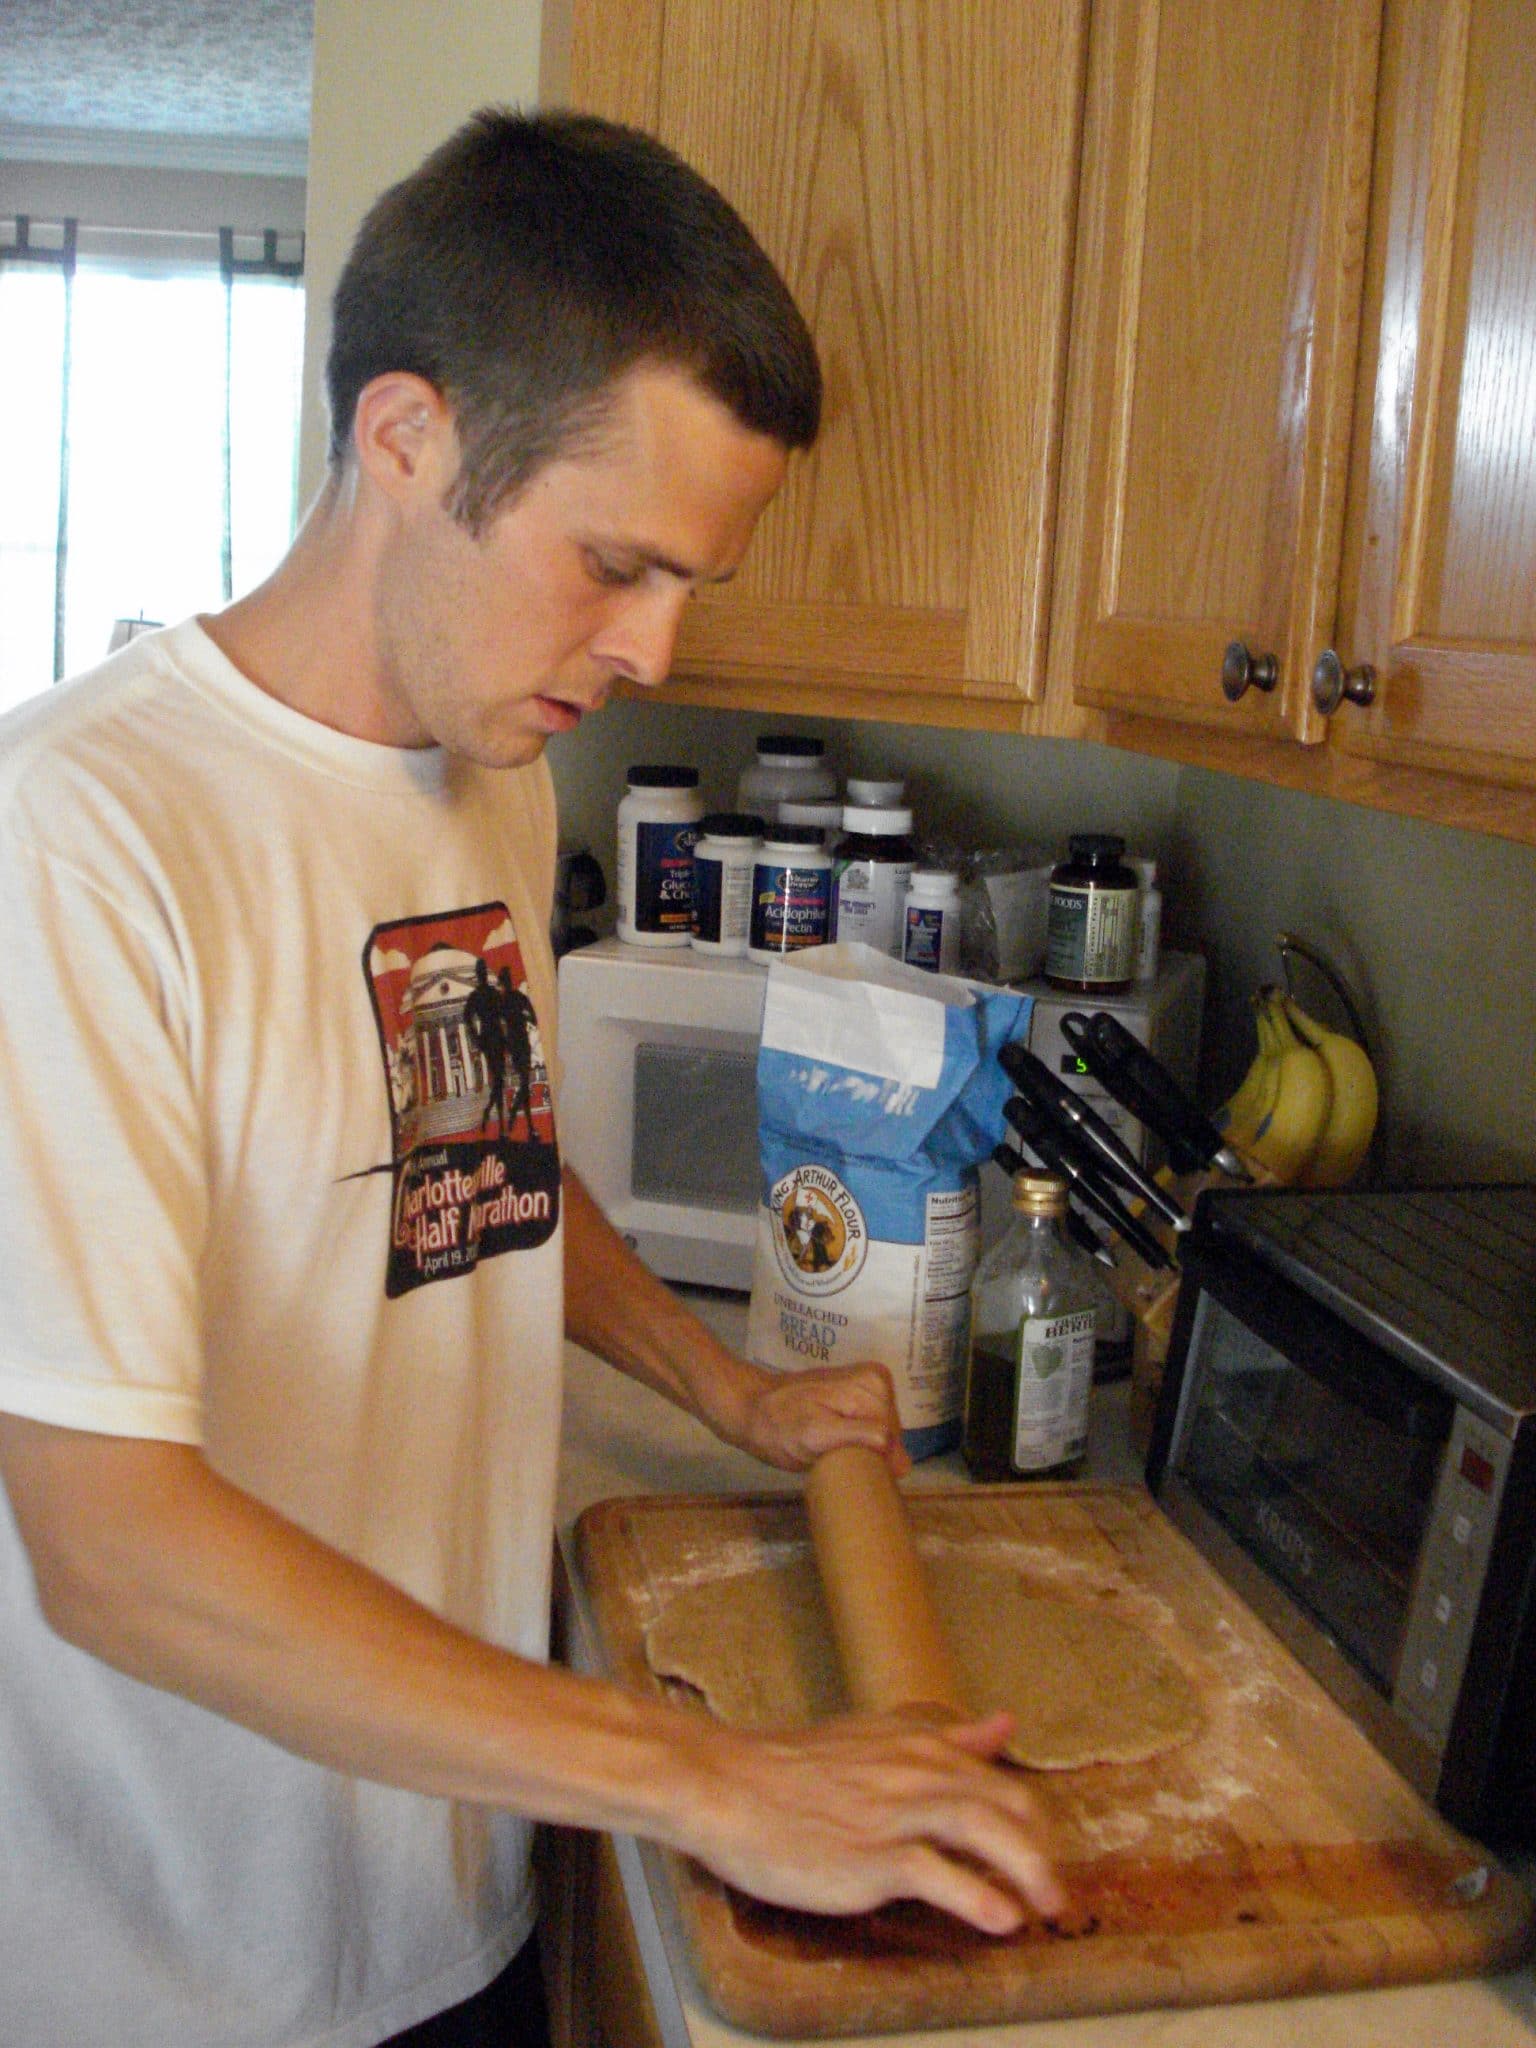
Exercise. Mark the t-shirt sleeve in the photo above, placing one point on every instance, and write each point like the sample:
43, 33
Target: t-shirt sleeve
103, 1191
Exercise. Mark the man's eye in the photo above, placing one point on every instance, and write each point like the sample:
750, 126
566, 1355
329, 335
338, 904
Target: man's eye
616, 574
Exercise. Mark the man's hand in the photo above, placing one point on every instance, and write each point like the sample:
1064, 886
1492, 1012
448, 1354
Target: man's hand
789, 1418
848, 1814
619, 1309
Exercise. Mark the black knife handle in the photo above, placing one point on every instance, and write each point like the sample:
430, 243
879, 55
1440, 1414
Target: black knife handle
1049, 1144
1145, 1087
1035, 1081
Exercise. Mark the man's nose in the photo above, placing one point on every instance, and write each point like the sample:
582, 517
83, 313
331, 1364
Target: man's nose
638, 643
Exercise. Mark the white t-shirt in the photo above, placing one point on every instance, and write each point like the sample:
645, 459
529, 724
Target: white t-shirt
278, 1176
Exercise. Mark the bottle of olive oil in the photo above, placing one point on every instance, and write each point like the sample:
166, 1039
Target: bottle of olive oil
1034, 1303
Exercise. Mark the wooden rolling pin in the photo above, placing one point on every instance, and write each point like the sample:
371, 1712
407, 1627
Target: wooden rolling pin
890, 1648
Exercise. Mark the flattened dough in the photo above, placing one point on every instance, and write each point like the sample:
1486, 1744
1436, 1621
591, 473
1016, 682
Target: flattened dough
1086, 1687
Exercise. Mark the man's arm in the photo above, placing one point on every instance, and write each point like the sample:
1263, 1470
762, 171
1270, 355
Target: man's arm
148, 1559
616, 1307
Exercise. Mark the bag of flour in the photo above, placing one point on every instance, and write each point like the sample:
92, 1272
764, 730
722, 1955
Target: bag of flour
879, 1094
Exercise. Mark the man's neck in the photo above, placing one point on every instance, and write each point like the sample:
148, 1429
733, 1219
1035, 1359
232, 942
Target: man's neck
306, 635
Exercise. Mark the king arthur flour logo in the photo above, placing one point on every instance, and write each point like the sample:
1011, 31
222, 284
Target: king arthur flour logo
819, 1233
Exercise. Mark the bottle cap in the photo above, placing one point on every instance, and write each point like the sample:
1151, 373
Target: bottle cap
1146, 872
788, 746
732, 825
1092, 846
662, 778
876, 822
934, 882
1039, 1194
792, 835
863, 789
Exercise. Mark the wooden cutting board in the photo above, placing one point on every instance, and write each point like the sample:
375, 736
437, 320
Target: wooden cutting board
1275, 1853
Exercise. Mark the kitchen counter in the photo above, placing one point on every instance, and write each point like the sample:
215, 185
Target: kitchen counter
620, 1439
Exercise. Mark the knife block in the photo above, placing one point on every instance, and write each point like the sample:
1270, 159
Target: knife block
1150, 1295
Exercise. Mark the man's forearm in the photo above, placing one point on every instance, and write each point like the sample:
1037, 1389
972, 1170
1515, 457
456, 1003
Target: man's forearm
148, 1559
616, 1307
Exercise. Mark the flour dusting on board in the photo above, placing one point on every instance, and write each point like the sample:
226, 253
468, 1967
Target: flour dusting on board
730, 1558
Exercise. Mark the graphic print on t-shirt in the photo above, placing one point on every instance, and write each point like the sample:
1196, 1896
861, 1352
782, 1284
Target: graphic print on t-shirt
476, 1170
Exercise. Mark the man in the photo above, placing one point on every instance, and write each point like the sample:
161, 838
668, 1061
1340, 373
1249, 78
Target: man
280, 1414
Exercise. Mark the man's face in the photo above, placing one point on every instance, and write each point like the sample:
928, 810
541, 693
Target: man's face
489, 643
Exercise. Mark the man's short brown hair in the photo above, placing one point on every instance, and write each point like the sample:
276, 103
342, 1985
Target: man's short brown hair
533, 260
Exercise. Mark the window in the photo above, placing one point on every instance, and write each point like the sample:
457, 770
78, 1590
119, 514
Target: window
152, 470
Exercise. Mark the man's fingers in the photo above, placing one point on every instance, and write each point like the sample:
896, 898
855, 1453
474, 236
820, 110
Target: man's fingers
987, 1737
958, 1888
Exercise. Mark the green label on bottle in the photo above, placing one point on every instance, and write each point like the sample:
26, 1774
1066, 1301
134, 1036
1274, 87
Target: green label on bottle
1050, 1422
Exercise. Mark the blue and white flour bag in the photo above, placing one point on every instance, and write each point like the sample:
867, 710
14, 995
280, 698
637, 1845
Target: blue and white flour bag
879, 1094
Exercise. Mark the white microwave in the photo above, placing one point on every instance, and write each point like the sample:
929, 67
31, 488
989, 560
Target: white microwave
659, 1110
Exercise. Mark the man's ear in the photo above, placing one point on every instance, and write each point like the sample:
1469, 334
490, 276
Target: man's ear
404, 437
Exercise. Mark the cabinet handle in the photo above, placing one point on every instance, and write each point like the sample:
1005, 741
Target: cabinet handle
1239, 668
1332, 682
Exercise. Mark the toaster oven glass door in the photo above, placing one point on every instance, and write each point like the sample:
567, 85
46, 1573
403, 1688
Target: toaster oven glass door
1319, 1455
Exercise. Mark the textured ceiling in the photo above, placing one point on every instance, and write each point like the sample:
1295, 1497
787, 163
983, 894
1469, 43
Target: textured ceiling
227, 71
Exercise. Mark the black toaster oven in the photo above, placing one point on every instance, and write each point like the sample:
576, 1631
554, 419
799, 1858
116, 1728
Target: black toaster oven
1347, 1429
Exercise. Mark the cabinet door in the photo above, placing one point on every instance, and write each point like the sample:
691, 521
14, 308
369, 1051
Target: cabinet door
912, 169
1226, 188
1443, 550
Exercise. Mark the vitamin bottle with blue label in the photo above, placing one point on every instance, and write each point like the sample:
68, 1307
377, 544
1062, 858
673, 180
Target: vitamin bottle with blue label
658, 826
791, 893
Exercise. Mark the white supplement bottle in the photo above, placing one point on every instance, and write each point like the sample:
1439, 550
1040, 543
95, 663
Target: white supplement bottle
1149, 920
723, 861
658, 826
788, 769
931, 921
791, 893
871, 872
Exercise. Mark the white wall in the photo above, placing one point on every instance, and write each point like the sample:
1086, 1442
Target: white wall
135, 197
392, 79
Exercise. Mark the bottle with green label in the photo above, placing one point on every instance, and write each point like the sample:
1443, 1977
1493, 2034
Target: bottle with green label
1034, 1302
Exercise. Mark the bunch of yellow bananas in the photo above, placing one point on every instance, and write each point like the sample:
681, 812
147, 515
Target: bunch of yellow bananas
1306, 1108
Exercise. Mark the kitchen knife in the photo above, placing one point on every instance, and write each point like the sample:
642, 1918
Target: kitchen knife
1036, 1083
1052, 1143
1082, 1230
1144, 1086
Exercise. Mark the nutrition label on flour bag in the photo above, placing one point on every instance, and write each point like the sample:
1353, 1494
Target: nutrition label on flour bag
879, 1094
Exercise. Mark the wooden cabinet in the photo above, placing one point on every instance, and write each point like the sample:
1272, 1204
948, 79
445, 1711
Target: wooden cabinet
1440, 583
1149, 327
1213, 484
1221, 254
913, 171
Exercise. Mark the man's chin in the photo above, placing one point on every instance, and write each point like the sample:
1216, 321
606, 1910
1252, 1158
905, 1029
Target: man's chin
517, 750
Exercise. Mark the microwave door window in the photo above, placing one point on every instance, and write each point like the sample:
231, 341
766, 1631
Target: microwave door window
695, 1127
1331, 1499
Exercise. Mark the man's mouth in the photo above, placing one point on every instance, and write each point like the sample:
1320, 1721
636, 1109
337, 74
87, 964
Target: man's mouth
563, 714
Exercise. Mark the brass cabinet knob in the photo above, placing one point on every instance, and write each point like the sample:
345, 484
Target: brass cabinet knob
1240, 669
1332, 683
